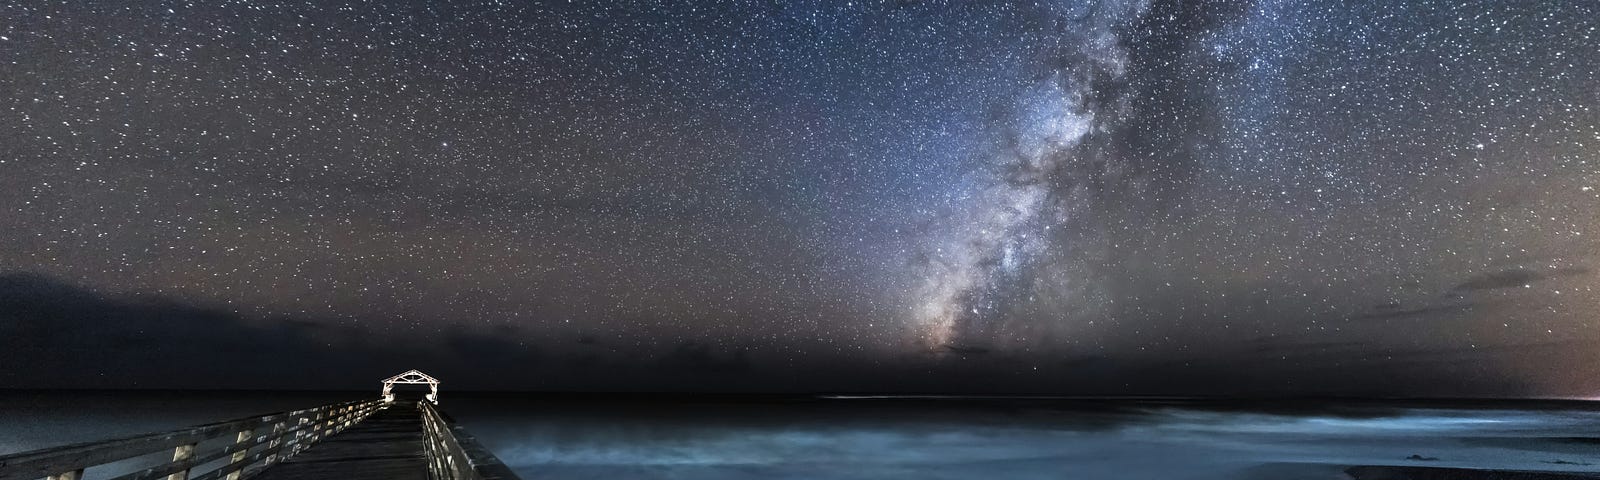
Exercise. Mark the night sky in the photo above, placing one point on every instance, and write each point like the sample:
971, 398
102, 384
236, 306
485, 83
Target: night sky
1241, 198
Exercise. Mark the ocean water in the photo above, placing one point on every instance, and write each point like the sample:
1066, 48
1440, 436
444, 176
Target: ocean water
797, 437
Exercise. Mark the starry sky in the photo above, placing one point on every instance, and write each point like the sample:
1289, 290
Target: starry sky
1275, 197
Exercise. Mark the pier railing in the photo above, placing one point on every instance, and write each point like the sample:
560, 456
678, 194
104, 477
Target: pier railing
453, 454
198, 453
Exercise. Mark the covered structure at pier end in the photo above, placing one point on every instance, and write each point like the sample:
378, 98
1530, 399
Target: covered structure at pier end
411, 377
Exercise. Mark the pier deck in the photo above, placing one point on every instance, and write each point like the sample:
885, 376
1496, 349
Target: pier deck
372, 439
386, 445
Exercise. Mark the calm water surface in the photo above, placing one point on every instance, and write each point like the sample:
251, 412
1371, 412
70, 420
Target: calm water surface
725, 438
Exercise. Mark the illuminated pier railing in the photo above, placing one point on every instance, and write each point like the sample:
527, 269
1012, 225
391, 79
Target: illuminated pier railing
379, 437
256, 443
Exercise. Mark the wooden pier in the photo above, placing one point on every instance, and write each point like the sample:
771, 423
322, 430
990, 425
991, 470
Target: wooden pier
375, 439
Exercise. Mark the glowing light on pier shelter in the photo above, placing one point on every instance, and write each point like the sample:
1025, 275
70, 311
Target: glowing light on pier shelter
411, 377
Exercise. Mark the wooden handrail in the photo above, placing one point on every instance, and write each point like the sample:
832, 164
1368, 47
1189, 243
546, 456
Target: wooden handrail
453, 454
273, 437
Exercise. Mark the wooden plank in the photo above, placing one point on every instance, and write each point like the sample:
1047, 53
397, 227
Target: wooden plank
55, 461
39, 464
240, 465
386, 445
238, 450
358, 440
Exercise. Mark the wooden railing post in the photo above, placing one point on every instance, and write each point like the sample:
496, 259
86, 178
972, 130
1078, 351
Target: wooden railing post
72, 475
277, 440
245, 437
197, 452
454, 455
328, 425
299, 440
313, 427
182, 453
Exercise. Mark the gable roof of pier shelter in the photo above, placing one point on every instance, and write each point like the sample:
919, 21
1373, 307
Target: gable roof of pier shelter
411, 377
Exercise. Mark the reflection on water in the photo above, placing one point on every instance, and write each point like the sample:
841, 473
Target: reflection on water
928, 439
709, 438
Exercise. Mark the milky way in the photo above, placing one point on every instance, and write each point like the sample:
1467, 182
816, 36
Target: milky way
1037, 180
1077, 196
